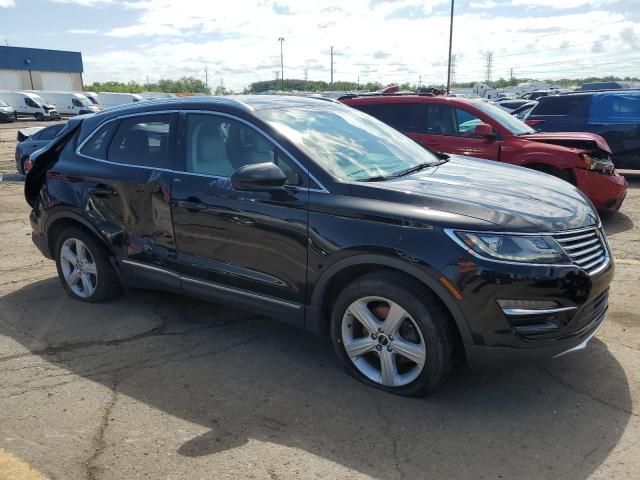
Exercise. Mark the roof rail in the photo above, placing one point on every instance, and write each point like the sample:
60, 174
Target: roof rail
381, 94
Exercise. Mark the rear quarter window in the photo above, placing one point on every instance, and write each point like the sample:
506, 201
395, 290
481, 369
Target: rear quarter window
405, 117
558, 105
97, 145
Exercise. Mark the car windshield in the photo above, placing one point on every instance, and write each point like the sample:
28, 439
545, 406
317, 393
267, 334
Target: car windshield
348, 144
84, 101
508, 121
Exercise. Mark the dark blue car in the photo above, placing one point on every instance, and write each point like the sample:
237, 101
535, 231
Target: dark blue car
615, 115
31, 139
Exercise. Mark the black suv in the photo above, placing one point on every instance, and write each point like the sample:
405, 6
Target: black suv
613, 114
323, 217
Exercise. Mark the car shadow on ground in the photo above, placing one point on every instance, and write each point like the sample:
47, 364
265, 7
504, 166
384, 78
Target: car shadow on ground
616, 222
247, 378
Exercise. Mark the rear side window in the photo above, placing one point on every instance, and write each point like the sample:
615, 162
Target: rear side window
142, 141
405, 117
559, 105
615, 108
49, 133
98, 143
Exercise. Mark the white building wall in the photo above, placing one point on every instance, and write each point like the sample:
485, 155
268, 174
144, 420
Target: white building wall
10, 80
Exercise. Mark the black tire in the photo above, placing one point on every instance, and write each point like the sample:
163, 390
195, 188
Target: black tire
15, 115
427, 314
107, 285
39, 117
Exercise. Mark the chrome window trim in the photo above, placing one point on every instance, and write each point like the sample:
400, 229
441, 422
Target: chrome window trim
451, 234
322, 188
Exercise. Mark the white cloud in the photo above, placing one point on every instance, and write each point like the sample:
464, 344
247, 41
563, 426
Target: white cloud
7, 3
237, 41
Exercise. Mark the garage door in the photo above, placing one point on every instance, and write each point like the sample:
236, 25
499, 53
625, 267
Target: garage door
9, 80
57, 81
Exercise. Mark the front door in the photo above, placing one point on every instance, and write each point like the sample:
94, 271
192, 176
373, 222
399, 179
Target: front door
238, 246
451, 130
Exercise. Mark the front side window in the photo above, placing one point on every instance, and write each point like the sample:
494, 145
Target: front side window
142, 141
508, 121
218, 146
30, 103
346, 143
76, 102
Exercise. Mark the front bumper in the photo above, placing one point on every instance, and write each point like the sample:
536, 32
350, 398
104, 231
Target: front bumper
607, 192
577, 305
7, 117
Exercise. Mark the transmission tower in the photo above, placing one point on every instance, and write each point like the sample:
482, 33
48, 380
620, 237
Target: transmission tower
488, 56
454, 57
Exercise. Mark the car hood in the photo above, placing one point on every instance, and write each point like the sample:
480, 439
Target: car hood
570, 139
504, 197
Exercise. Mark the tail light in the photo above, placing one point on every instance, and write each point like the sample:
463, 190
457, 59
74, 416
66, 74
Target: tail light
28, 165
531, 123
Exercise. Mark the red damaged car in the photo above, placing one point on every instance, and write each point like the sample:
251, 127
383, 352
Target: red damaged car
479, 129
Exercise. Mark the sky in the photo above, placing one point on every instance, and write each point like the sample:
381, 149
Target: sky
391, 41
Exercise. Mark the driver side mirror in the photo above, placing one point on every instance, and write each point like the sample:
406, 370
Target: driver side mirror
485, 131
259, 177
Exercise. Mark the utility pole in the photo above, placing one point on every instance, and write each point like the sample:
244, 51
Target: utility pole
454, 62
511, 75
206, 76
277, 75
147, 81
420, 82
281, 40
306, 74
358, 84
450, 45
332, 65
489, 65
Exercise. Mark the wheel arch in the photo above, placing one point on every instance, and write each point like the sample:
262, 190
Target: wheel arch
346, 270
62, 219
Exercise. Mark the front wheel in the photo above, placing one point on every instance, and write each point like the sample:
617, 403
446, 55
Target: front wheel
390, 333
84, 267
39, 117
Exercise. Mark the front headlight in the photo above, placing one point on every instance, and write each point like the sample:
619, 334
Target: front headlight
598, 164
514, 248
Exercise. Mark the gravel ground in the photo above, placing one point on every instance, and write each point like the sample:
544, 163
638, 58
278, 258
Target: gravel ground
159, 386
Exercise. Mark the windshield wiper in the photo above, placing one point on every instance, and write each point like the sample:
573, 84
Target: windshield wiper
377, 178
417, 168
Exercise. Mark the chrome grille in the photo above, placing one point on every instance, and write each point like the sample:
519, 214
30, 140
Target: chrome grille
585, 248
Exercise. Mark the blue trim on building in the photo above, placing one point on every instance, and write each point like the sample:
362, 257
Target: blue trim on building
18, 58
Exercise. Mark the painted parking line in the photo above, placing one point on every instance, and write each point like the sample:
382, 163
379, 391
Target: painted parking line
12, 468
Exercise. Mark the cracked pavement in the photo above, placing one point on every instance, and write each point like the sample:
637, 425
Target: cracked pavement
159, 386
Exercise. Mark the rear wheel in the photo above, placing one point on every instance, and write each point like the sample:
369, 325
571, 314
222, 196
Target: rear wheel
84, 267
390, 333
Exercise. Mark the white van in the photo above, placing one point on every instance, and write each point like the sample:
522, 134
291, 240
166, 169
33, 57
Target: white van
110, 99
69, 103
92, 96
29, 103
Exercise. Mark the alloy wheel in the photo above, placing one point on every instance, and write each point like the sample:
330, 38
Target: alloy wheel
383, 341
78, 267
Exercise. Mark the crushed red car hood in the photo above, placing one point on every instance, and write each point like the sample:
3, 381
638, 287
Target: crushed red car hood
571, 139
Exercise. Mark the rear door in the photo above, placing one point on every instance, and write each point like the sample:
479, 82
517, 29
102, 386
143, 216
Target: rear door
127, 178
238, 246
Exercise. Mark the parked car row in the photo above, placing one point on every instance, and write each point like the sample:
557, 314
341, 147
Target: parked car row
479, 129
51, 105
322, 216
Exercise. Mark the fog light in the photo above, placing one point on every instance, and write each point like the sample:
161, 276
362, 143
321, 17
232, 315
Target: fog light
531, 304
